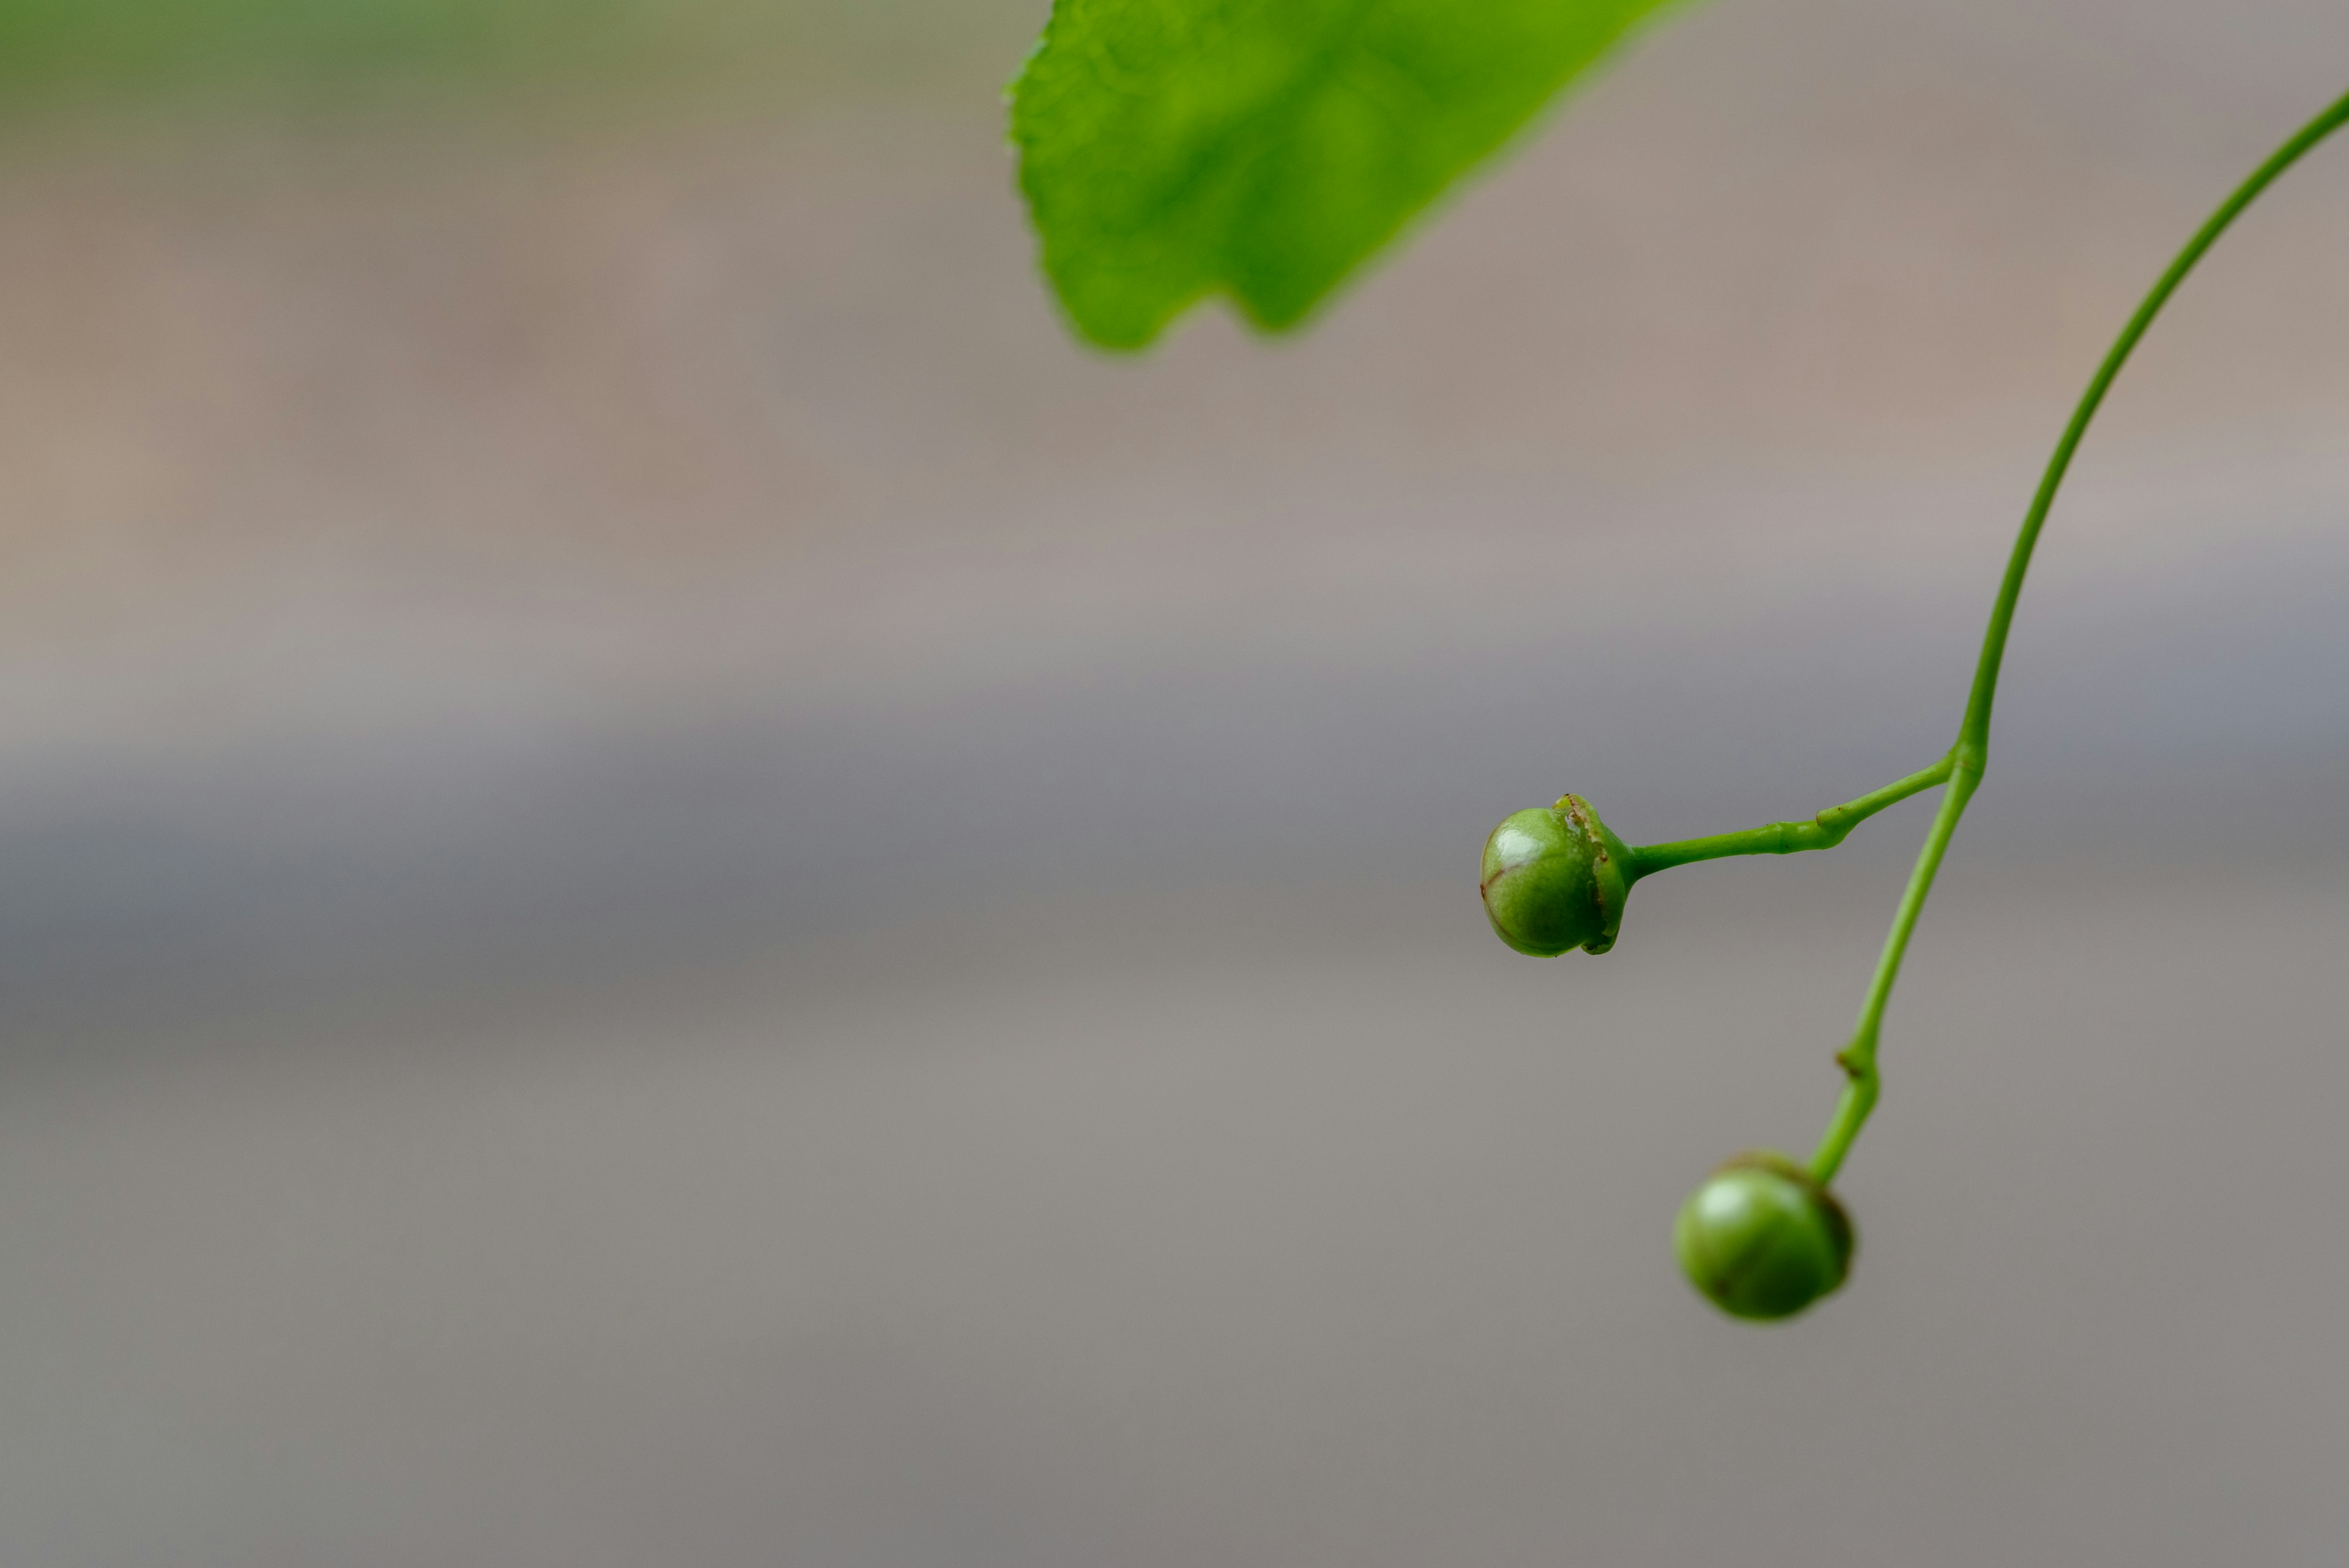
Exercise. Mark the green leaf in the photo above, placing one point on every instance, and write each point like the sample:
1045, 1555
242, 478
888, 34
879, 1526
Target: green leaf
1174, 149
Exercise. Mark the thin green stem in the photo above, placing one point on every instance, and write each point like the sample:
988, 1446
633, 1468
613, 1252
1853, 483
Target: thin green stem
1975, 731
1824, 831
1859, 1059
1971, 753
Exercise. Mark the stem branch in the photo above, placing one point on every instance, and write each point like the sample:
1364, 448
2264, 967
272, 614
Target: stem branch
1968, 757
1824, 831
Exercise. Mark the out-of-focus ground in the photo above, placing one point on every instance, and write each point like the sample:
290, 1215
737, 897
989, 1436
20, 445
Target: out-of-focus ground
673, 889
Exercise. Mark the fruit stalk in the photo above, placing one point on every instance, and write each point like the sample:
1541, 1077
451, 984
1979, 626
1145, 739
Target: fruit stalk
1764, 1237
1970, 756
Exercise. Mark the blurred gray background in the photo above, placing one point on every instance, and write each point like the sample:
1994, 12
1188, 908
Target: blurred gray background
675, 889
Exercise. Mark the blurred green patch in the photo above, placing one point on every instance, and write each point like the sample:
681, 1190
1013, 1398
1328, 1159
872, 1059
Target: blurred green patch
321, 52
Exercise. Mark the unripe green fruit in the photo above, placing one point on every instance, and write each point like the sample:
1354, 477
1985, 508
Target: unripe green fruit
1761, 1239
1554, 880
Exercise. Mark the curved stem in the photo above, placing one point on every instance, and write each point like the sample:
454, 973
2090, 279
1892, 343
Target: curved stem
1971, 753
1976, 728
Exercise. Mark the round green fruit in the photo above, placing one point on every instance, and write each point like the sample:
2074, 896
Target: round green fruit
1554, 880
1761, 1239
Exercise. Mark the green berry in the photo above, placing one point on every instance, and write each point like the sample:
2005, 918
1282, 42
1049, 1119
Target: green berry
1554, 880
1763, 1240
